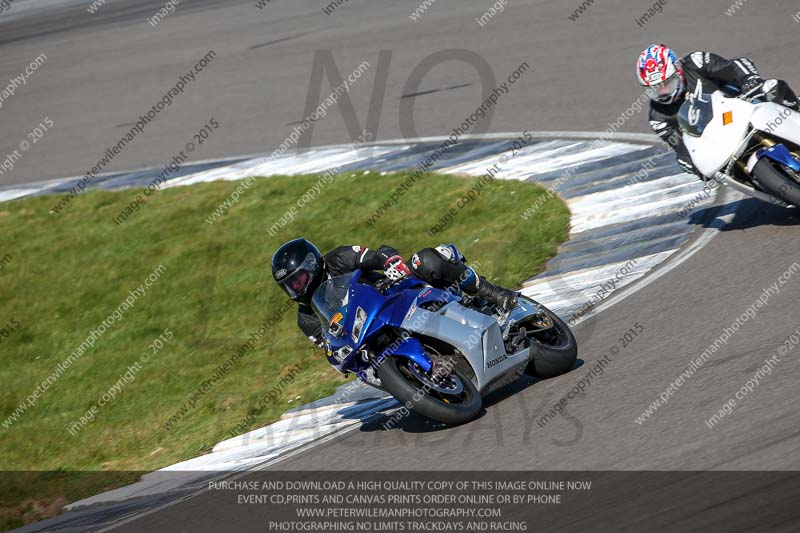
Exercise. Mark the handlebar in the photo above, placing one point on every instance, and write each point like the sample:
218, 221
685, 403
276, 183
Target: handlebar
384, 284
753, 94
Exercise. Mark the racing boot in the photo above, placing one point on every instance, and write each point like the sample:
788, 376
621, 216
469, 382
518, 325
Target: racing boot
445, 264
503, 298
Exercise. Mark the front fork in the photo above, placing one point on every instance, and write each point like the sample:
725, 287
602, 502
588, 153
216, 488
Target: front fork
737, 165
761, 141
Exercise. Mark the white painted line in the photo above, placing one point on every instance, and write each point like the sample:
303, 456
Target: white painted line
706, 234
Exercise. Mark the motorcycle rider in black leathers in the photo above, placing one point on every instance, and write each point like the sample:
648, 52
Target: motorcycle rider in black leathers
668, 80
299, 268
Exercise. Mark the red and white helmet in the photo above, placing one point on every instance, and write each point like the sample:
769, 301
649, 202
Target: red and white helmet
658, 70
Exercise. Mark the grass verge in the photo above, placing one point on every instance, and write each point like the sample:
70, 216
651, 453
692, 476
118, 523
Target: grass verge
69, 272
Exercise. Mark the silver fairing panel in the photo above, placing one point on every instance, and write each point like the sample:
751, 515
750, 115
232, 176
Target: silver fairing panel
476, 335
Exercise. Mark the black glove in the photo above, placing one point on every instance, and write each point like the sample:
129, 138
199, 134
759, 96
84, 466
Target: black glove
689, 167
751, 83
318, 341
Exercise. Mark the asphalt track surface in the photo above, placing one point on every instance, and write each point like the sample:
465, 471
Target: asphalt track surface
103, 71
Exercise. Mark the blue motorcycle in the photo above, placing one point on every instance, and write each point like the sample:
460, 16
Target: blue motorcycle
436, 351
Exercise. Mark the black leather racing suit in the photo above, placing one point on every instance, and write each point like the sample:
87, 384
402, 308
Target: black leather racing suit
441, 267
712, 73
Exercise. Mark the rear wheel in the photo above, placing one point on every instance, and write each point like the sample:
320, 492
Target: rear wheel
443, 394
552, 343
781, 182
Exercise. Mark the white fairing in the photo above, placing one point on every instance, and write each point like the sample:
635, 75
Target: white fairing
712, 151
778, 120
719, 143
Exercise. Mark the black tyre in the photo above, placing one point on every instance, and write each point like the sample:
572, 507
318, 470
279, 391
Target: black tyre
404, 380
780, 182
554, 348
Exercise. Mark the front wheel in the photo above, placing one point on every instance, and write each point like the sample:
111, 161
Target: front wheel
449, 398
780, 182
554, 347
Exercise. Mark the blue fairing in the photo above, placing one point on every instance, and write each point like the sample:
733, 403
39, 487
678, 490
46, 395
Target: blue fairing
780, 154
364, 312
409, 348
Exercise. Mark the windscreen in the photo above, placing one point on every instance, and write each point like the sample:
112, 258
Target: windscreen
331, 298
695, 114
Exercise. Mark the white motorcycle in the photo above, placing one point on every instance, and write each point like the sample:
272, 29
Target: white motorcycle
752, 145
